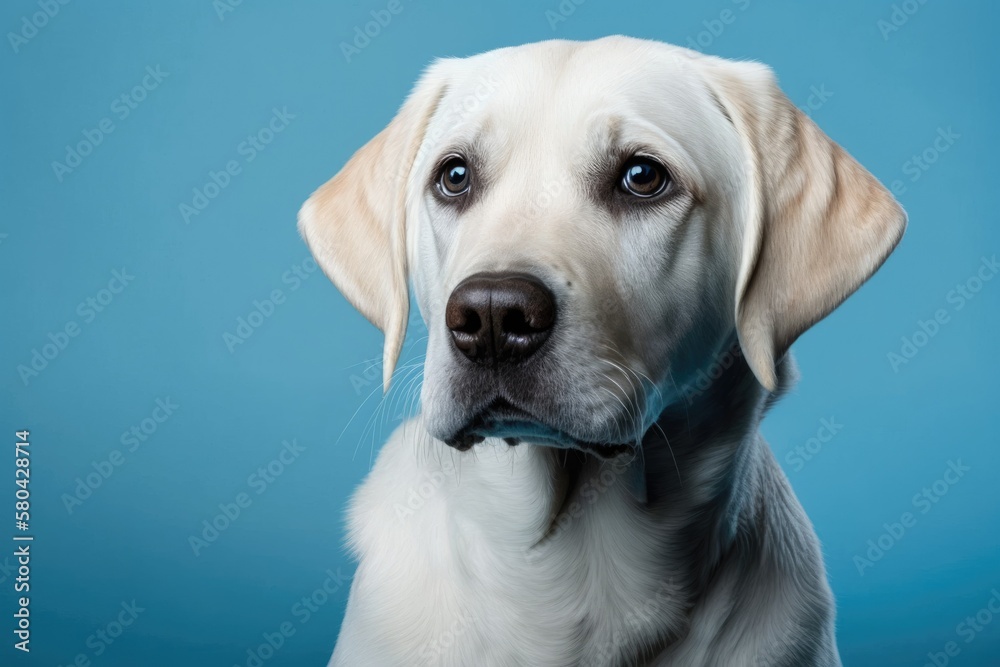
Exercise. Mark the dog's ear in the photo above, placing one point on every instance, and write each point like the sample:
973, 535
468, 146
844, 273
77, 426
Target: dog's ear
818, 224
355, 224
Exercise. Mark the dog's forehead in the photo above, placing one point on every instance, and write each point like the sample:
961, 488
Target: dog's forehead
557, 88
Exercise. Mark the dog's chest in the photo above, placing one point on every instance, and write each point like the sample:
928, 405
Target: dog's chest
464, 576
589, 596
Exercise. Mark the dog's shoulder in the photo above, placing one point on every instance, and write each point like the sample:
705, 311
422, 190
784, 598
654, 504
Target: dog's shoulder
397, 531
401, 495
769, 603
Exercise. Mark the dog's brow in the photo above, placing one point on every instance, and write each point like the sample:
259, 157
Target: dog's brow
607, 133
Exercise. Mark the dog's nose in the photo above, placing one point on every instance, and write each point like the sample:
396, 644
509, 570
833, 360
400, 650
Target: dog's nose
500, 317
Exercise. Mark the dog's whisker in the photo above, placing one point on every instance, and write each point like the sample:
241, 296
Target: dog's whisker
670, 449
377, 360
353, 417
613, 417
413, 384
402, 397
620, 436
406, 369
641, 388
640, 425
621, 359
628, 410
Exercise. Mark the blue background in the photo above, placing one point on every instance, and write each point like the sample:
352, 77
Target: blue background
307, 369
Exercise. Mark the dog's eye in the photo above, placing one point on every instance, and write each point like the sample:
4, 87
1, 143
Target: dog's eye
644, 177
454, 177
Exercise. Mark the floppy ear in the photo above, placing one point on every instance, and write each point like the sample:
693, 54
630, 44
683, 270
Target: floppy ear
355, 224
818, 224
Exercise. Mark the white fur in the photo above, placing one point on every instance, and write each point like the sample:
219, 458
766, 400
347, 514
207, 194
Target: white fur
694, 551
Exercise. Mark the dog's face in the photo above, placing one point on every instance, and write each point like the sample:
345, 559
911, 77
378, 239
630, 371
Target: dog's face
585, 224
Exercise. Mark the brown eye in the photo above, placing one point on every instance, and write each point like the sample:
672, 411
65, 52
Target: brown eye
644, 177
454, 177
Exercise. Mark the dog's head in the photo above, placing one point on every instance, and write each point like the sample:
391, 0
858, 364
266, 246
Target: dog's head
585, 224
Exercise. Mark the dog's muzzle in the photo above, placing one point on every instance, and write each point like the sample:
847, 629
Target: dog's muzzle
497, 321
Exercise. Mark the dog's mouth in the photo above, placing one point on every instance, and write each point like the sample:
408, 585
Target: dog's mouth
503, 419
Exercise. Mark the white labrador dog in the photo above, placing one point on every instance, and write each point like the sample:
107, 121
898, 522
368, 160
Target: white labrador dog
613, 245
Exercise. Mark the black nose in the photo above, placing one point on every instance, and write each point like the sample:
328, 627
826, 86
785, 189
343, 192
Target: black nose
500, 317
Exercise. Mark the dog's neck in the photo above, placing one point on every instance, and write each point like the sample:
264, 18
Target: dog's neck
694, 459
720, 408
699, 455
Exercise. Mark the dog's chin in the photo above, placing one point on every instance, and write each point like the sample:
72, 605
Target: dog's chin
515, 426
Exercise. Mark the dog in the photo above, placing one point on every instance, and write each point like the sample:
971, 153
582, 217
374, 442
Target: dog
613, 245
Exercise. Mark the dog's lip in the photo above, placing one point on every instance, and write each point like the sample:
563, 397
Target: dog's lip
503, 419
501, 411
